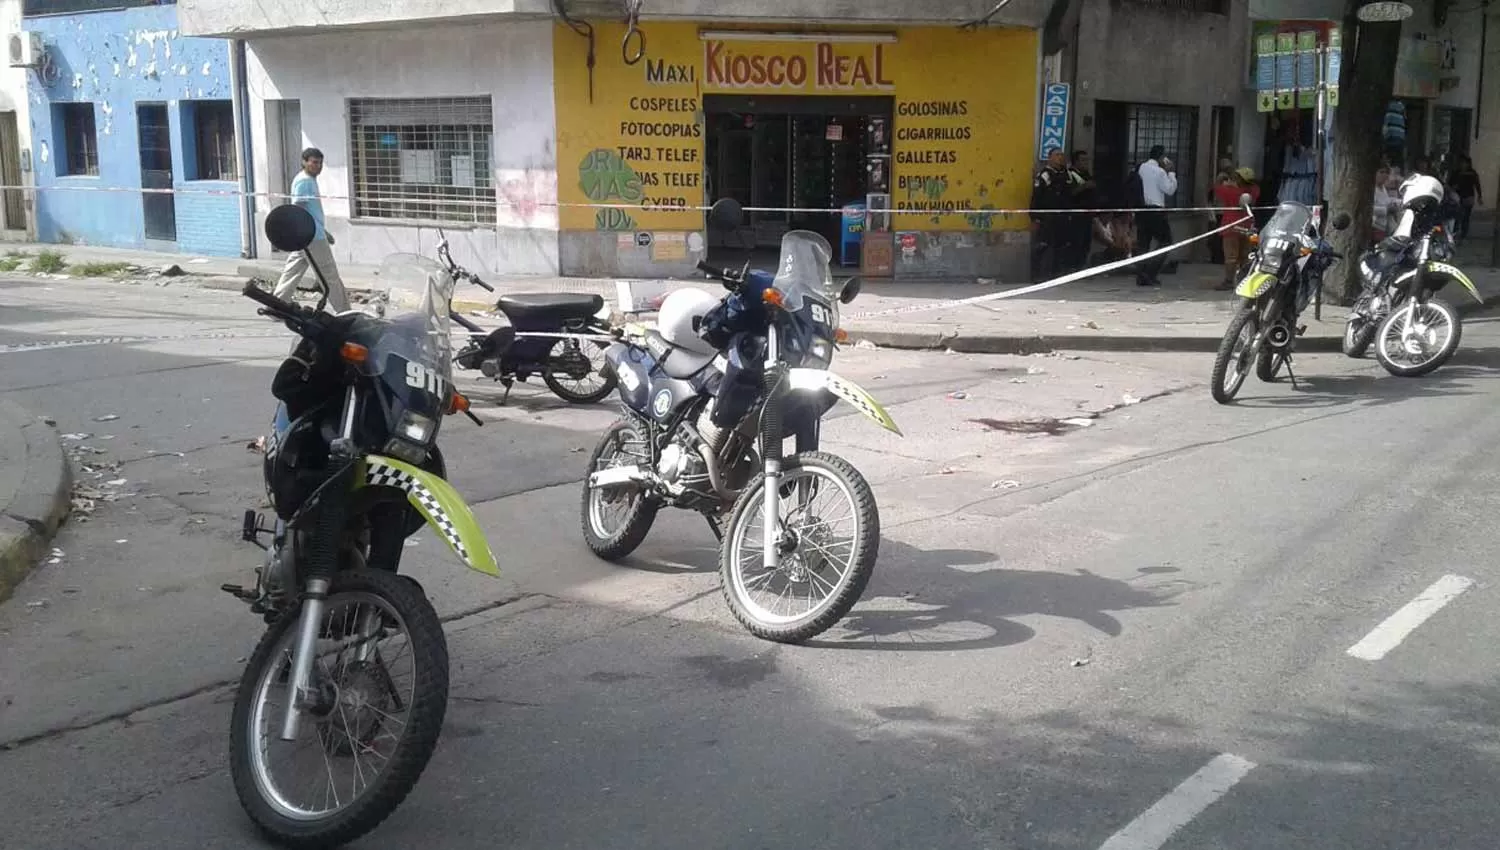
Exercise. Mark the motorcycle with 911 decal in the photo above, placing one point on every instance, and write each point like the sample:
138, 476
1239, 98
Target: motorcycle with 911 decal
341, 703
708, 398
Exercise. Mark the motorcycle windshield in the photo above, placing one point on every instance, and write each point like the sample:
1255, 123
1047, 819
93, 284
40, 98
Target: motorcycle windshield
805, 271
1279, 237
419, 336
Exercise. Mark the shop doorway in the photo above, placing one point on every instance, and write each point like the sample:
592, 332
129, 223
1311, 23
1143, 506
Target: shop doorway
155, 138
789, 153
1450, 135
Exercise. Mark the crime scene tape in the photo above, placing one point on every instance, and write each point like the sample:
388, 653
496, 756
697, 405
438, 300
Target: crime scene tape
1071, 277
528, 207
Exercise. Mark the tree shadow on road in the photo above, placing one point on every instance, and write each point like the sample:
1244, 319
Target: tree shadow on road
969, 602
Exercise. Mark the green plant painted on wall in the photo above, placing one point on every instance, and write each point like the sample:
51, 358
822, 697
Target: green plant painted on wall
605, 177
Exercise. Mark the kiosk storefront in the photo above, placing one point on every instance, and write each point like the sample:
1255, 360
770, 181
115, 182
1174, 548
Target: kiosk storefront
815, 127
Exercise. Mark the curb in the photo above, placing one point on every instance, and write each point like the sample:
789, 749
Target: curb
938, 338
42, 501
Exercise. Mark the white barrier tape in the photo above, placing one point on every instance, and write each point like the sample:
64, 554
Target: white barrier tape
496, 204
1048, 284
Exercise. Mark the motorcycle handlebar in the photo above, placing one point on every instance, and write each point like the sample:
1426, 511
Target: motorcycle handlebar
474, 279
286, 311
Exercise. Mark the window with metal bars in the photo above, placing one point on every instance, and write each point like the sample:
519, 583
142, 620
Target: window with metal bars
213, 136
1172, 127
422, 159
1200, 7
73, 127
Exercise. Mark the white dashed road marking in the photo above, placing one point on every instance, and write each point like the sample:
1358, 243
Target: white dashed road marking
1389, 634
1172, 812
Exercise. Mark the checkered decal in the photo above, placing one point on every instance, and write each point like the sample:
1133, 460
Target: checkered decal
379, 474
861, 400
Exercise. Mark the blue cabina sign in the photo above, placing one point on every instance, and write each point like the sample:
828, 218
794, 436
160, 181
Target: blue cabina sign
1054, 117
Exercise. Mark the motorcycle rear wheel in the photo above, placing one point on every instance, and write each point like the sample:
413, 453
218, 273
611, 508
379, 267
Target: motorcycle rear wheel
1358, 334
613, 540
350, 698
815, 549
565, 387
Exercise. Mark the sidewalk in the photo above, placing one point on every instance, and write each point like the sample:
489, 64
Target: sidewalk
35, 486
1106, 313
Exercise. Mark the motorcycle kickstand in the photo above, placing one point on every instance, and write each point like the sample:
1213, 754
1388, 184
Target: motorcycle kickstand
717, 529
507, 383
1287, 359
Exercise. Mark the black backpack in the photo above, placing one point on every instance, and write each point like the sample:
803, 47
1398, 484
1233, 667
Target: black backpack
1135, 191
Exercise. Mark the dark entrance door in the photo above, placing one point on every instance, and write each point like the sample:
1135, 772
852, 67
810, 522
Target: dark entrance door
156, 171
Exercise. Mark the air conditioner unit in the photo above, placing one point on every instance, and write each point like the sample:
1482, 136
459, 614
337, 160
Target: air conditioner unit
25, 49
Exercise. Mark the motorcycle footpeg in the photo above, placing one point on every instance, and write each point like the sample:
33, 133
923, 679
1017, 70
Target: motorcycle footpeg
239, 592
251, 526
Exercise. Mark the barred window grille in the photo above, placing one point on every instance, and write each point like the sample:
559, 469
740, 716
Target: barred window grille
1198, 7
80, 141
213, 133
422, 159
1172, 127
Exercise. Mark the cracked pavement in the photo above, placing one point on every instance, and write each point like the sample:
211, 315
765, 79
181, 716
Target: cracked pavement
1092, 579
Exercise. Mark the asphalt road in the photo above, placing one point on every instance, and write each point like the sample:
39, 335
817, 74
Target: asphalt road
1131, 634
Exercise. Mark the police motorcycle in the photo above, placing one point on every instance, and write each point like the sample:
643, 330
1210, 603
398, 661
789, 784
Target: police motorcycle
551, 334
341, 704
708, 396
1280, 278
1415, 332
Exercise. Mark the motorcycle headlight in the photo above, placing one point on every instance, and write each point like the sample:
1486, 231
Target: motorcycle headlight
415, 428
819, 351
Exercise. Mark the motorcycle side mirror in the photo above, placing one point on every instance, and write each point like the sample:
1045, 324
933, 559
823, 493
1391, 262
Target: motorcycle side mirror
725, 214
1245, 200
851, 289
1341, 221
290, 228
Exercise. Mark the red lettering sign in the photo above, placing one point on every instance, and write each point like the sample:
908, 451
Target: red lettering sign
726, 68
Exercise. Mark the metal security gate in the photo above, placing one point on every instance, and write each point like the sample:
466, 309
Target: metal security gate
160, 208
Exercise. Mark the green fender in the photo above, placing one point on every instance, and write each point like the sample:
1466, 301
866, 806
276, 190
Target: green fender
438, 503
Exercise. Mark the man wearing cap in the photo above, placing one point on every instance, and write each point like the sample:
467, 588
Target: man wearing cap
1051, 196
1227, 195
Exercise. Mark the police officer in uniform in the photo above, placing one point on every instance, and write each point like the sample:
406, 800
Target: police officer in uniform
1051, 190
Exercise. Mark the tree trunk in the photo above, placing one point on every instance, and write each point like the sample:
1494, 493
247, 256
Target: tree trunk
1366, 78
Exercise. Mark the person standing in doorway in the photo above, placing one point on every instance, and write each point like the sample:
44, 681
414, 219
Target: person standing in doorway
1158, 182
1227, 195
1465, 183
1086, 198
320, 251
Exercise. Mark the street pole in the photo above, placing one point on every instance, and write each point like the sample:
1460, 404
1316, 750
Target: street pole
1320, 143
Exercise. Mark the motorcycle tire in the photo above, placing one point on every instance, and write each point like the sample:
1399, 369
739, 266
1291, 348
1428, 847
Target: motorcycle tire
569, 395
424, 723
1443, 356
1268, 365
614, 545
1221, 393
862, 563
1358, 334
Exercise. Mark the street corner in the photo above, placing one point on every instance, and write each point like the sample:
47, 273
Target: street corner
35, 484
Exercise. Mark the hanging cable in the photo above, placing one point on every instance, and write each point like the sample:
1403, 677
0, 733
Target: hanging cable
982, 21
632, 28
583, 28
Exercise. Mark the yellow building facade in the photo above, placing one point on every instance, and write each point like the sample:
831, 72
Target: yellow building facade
935, 123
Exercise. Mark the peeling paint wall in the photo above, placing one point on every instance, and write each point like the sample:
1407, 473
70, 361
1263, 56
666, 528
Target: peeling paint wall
116, 61
511, 63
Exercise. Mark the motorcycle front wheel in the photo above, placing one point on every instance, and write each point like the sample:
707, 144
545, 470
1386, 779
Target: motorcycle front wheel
1433, 340
1233, 357
830, 539
370, 724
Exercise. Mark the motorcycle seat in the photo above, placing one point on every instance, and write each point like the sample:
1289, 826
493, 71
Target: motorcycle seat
679, 363
558, 306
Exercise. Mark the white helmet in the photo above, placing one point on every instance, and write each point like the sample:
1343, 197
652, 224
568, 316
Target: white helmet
1420, 189
675, 319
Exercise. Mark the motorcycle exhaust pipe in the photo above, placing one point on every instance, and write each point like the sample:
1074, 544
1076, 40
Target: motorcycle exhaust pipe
618, 475
1279, 336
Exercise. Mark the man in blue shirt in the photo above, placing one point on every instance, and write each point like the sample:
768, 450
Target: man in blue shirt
305, 195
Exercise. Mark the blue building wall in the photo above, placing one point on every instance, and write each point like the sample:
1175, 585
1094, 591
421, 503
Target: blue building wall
116, 60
